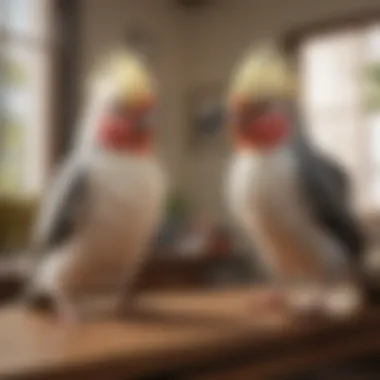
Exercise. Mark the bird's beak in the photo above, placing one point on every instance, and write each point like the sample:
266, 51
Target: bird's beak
263, 75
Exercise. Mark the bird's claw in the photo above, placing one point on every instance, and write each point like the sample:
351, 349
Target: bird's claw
342, 301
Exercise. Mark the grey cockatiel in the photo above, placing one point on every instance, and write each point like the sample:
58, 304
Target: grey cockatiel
290, 200
99, 216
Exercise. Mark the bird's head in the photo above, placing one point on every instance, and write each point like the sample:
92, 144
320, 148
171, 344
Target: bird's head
261, 90
126, 122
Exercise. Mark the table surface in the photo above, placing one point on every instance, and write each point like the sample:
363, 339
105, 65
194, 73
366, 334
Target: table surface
174, 332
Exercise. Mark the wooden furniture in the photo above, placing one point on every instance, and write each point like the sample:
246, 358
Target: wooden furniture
160, 273
181, 273
175, 273
209, 335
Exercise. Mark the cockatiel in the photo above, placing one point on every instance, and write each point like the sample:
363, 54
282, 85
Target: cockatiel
288, 198
97, 221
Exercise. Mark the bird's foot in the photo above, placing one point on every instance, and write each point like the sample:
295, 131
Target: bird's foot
304, 300
342, 301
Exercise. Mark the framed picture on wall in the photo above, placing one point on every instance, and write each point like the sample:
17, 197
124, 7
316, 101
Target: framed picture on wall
206, 118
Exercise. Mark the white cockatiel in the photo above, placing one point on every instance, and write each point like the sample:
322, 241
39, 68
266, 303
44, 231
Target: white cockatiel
290, 200
105, 204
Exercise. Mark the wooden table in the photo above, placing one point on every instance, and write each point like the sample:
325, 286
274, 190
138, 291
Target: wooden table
213, 335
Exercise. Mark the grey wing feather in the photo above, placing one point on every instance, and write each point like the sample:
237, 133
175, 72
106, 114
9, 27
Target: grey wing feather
326, 187
63, 205
335, 176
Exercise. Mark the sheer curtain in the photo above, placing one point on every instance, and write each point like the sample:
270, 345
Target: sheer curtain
25, 54
334, 96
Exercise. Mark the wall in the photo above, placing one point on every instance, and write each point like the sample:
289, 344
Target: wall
196, 49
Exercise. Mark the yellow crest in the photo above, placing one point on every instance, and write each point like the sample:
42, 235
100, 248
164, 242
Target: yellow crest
125, 75
264, 73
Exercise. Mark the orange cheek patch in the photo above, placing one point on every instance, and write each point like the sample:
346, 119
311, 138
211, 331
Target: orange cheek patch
267, 131
113, 131
117, 133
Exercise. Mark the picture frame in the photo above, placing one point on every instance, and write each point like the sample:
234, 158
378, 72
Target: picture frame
206, 124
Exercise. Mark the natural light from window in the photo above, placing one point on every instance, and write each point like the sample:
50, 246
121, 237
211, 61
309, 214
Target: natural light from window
340, 76
25, 54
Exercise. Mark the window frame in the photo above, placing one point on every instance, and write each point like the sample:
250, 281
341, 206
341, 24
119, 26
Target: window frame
293, 38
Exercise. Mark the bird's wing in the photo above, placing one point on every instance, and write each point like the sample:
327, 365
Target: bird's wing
325, 185
63, 206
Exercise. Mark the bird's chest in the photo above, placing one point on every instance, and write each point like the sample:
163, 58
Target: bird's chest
266, 199
265, 185
127, 195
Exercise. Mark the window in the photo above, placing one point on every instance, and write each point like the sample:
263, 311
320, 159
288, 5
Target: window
340, 76
25, 62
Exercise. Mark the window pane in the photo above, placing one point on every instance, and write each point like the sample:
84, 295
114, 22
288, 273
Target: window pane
374, 155
337, 135
374, 132
372, 43
371, 69
11, 157
27, 17
330, 68
26, 111
376, 190
2, 13
372, 57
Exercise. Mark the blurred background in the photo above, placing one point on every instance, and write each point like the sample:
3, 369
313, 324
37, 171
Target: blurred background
48, 48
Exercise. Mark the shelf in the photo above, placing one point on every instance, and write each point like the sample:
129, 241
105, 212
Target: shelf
205, 334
